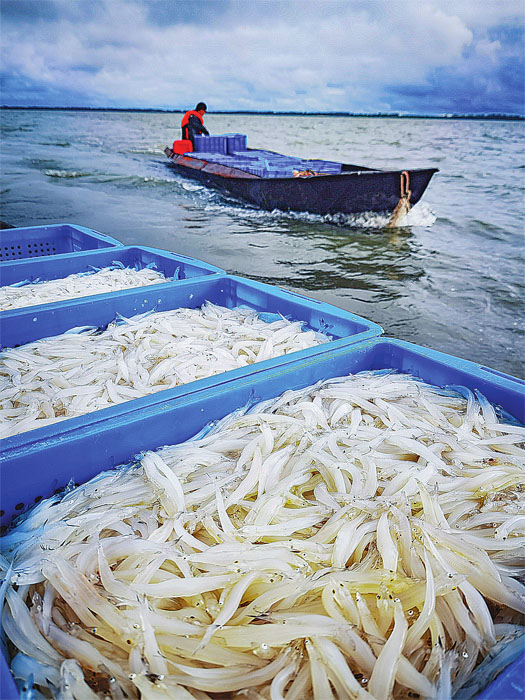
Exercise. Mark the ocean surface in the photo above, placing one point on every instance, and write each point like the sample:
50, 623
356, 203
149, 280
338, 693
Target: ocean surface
452, 277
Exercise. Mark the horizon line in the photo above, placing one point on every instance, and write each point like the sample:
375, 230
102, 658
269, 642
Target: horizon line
339, 113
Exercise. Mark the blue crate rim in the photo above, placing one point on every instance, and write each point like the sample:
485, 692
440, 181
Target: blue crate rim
31, 264
77, 227
117, 250
117, 294
274, 290
215, 383
220, 384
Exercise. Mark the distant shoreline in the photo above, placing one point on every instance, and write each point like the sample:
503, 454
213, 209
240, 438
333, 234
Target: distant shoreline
373, 115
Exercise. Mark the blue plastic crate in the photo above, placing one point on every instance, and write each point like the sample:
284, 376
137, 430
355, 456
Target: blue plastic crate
318, 163
229, 161
201, 155
509, 685
253, 154
238, 163
321, 166
273, 157
20, 326
210, 157
285, 163
219, 158
276, 171
172, 265
280, 158
256, 169
235, 142
38, 241
209, 144
81, 452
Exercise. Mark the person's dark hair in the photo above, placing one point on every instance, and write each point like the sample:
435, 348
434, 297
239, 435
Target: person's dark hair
200, 106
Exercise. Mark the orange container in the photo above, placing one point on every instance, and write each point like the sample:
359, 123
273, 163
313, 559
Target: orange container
182, 146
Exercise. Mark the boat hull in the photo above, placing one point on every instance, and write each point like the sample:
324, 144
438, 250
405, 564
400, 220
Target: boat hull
351, 192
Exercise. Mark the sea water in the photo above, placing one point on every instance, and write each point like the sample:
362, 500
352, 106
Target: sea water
452, 277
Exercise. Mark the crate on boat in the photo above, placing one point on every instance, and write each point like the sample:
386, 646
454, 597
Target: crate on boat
285, 163
281, 162
173, 266
202, 155
279, 158
235, 142
37, 466
209, 144
38, 241
237, 163
279, 171
252, 154
318, 163
240, 163
321, 166
256, 169
220, 159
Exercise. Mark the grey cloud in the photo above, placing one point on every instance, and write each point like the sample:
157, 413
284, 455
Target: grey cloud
329, 55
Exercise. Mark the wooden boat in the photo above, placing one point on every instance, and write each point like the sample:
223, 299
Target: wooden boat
273, 181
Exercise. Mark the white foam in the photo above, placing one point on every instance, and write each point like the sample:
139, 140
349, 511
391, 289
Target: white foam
190, 187
419, 215
64, 173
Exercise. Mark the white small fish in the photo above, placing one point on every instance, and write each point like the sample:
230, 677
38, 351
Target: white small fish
348, 539
102, 281
72, 374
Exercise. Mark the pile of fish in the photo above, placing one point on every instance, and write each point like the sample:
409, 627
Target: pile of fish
360, 538
81, 284
78, 372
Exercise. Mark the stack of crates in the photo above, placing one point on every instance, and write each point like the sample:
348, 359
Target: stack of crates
222, 148
235, 142
37, 462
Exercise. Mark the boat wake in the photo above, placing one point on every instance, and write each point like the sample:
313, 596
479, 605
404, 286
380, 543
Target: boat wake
419, 215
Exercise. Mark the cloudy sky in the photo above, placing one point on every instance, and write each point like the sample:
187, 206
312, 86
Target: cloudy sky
415, 56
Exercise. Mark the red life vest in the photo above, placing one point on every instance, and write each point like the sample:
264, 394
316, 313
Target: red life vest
186, 117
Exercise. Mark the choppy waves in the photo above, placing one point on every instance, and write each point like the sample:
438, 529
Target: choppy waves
465, 234
120, 179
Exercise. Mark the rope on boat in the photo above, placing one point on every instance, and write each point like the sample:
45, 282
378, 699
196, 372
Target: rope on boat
403, 206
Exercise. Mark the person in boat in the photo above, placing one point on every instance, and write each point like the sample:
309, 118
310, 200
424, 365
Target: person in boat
193, 122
